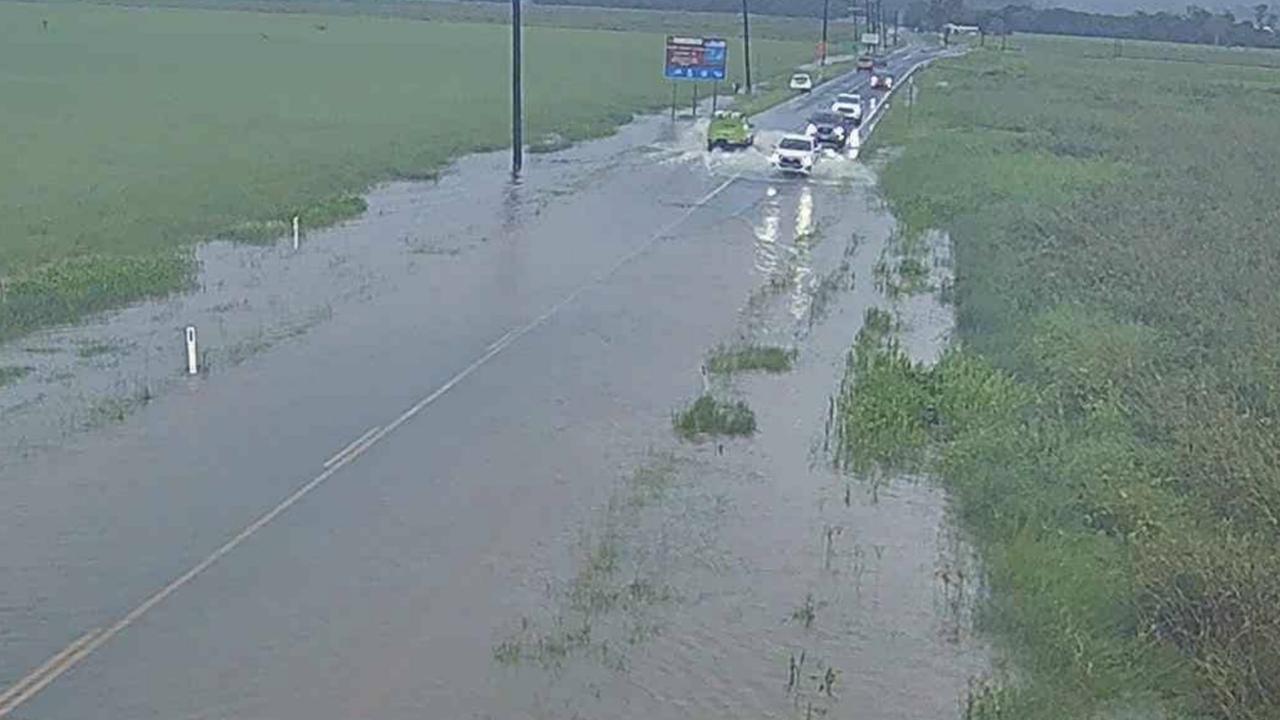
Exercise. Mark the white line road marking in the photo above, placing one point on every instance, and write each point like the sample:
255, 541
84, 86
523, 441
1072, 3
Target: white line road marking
500, 340
26, 682
338, 455
68, 657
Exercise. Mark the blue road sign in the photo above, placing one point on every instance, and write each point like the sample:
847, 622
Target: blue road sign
696, 58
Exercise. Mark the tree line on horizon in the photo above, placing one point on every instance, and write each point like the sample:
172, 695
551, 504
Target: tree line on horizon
1195, 25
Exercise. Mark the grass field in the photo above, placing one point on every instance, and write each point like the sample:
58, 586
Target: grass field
1107, 424
132, 133
558, 16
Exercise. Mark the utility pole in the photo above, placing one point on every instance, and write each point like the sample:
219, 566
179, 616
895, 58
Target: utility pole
880, 23
825, 5
853, 15
517, 124
746, 45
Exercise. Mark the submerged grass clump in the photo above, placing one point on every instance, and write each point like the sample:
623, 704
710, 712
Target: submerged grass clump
607, 605
746, 358
13, 373
322, 213
709, 416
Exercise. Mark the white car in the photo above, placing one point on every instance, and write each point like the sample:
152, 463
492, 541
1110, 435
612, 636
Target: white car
849, 105
795, 153
801, 82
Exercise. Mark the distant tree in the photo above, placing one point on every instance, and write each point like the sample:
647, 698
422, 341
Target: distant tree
1216, 26
1260, 14
942, 12
916, 14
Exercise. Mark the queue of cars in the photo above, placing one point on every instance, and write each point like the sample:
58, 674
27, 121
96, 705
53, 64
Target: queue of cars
834, 128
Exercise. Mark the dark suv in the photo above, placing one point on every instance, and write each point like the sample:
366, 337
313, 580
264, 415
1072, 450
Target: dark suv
830, 129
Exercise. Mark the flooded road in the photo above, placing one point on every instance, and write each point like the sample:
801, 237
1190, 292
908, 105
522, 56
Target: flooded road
485, 513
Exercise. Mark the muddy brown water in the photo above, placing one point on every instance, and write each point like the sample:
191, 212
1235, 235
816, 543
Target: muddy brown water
535, 543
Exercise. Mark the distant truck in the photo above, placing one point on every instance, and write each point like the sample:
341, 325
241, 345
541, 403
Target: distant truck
729, 130
866, 63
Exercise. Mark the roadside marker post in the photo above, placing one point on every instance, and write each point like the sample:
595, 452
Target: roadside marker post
911, 98
193, 366
295, 232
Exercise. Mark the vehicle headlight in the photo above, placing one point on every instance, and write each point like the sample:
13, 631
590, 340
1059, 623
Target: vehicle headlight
839, 130
811, 130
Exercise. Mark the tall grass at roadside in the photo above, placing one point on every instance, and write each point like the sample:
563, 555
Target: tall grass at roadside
1107, 426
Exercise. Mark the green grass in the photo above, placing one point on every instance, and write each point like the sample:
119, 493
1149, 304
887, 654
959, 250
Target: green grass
583, 17
709, 416
97, 348
140, 131
13, 373
1106, 426
747, 358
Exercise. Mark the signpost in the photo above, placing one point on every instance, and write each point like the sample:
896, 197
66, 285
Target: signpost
870, 38
695, 58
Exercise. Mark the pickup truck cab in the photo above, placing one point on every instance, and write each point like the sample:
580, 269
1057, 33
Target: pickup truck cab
795, 154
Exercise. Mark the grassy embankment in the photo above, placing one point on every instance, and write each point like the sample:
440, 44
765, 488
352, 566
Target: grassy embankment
1107, 425
132, 133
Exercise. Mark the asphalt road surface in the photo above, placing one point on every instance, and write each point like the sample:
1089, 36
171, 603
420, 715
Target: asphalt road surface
346, 525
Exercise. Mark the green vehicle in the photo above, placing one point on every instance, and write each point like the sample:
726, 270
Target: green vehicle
730, 129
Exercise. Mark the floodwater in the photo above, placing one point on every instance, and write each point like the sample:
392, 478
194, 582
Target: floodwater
528, 539
734, 579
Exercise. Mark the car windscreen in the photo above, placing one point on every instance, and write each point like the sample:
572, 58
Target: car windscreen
848, 99
795, 144
826, 119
